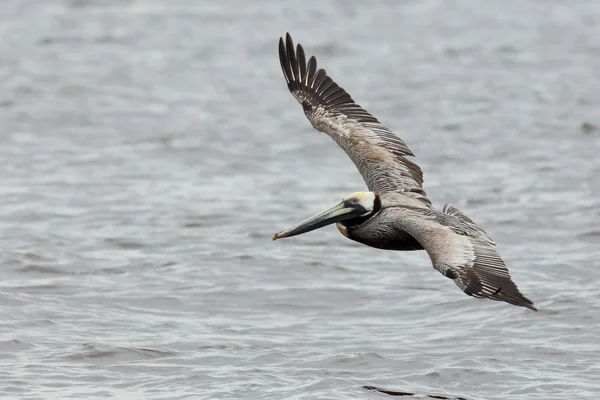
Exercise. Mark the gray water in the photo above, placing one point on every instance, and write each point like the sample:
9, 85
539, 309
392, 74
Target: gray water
149, 149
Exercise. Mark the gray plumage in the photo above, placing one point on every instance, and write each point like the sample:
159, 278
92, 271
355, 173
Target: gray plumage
401, 217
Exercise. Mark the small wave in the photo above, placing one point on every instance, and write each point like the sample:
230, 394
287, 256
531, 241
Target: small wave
49, 270
589, 235
125, 244
89, 352
42, 269
203, 221
14, 345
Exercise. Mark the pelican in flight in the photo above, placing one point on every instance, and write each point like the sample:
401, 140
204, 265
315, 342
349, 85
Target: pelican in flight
395, 214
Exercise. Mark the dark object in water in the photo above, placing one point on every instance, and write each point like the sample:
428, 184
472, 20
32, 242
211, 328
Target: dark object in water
393, 393
588, 127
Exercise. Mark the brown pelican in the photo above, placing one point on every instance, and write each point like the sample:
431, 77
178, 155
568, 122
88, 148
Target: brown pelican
395, 214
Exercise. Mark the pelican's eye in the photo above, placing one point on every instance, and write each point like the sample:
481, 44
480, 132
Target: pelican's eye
353, 201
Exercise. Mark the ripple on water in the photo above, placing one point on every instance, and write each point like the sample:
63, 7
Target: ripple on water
96, 353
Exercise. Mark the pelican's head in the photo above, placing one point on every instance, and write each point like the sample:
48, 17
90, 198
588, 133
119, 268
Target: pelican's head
358, 204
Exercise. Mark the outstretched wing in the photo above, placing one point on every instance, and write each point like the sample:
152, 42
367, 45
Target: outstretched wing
379, 155
463, 252
476, 267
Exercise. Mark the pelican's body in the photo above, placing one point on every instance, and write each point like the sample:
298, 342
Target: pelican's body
382, 230
395, 214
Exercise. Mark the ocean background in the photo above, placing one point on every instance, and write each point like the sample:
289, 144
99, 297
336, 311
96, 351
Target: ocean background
149, 150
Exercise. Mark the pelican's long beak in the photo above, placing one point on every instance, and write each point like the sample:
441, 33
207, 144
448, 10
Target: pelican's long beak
337, 213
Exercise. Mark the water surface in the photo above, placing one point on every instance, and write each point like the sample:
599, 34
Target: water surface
150, 148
